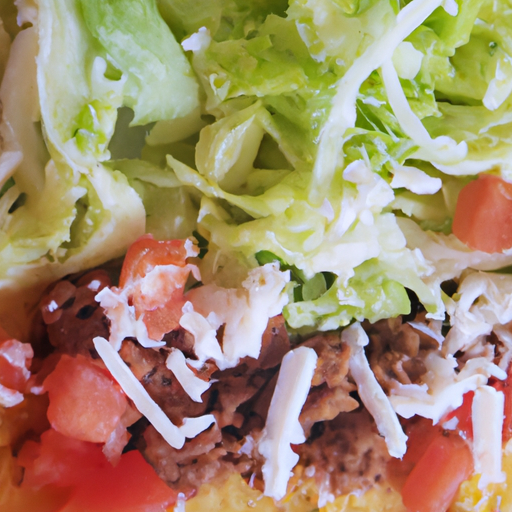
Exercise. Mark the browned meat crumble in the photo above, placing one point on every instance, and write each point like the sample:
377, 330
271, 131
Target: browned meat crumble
343, 451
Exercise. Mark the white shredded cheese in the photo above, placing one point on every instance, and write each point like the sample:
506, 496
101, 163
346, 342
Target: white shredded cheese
193, 385
174, 435
415, 180
204, 331
282, 427
370, 392
9, 397
243, 312
198, 41
443, 388
487, 419
425, 329
123, 323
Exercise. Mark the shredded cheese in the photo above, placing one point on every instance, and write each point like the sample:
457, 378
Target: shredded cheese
487, 419
174, 435
443, 387
282, 427
123, 322
243, 312
370, 392
193, 385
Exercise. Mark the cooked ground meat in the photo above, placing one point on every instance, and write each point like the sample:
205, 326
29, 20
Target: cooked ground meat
347, 453
397, 351
343, 450
72, 316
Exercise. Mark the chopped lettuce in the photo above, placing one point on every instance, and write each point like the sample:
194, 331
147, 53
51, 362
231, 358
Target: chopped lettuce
332, 135
65, 210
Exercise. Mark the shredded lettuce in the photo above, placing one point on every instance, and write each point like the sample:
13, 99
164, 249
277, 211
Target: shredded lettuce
332, 137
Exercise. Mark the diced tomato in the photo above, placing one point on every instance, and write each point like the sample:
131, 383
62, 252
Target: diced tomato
420, 433
15, 360
435, 479
161, 300
85, 403
146, 253
94, 484
463, 414
432, 469
483, 214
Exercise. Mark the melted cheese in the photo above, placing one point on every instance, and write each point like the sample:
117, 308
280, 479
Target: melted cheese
370, 392
282, 427
174, 435
487, 419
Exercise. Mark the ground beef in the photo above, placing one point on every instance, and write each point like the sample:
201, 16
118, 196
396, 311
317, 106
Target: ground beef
397, 350
343, 450
346, 454
72, 316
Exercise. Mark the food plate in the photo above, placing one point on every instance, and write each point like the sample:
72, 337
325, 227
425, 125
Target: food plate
255, 255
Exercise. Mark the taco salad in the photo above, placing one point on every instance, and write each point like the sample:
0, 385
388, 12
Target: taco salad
255, 255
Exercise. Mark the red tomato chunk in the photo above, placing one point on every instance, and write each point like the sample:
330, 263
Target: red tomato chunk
85, 403
434, 466
434, 481
93, 484
483, 216
161, 307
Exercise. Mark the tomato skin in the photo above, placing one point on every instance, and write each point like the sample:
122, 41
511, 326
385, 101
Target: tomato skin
435, 464
85, 403
92, 483
420, 433
433, 483
483, 213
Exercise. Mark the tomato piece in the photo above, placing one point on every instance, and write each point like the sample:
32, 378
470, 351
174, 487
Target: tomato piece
94, 485
85, 403
15, 359
146, 253
433, 483
463, 414
132, 485
483, 213
420, 433
157, 297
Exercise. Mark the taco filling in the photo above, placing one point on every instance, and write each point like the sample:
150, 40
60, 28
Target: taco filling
255, 254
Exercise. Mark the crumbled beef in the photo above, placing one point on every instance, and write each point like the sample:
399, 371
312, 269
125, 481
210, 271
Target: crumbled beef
149, 367
397, 351
235, 387
347, 454
72, 315
210, 456
330, 387
343, 449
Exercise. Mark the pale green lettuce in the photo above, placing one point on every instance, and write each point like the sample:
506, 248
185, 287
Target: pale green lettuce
276, 129
65, 211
